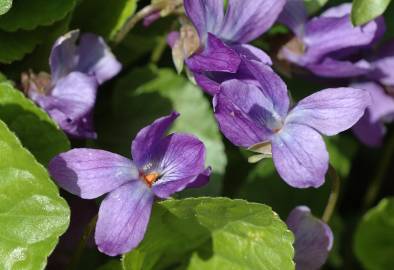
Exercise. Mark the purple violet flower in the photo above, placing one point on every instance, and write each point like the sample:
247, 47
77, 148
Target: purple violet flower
69, 93
371, 129
216, 47
326, 45
257, 117
313, 239
160, 167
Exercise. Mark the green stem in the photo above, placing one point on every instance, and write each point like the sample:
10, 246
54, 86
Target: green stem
158, 50
82, 244
377, 181
133, 20
333, 199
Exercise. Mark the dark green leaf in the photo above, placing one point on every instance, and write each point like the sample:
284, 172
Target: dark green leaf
28, 15
374, 239
15, 45
217, 233
364, 11
33, 126
109, 16
32, 214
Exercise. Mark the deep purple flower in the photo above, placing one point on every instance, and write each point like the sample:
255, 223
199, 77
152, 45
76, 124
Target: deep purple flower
69, 94
161, 166
257, 117
313, 239
327, 45
220, 40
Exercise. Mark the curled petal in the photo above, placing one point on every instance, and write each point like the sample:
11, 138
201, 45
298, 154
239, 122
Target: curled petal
324, 35
90, 173
331, 111
300, 156
201, 180
369, 132
63, 58
313, 239
246, 20
384, 64
216, 56
250, 52
123, 218
332, 68
96, 58
148, 137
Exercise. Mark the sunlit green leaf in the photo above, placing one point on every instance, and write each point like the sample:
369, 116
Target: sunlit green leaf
32, 214
215, 233
364, 11
5, 6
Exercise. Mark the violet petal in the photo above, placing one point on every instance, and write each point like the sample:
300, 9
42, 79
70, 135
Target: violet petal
216, 56
90, 173
147, 138
331, 111
300, 156
63, 58
179, 158
123, 218
96, 58
246, 20
206, 15
243, 113
313, 239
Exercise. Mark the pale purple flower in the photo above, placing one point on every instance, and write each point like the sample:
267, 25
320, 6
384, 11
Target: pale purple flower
222, 36
160, 166
69, 93
380, 84
313, 239
327, 45
257, 117
371, 128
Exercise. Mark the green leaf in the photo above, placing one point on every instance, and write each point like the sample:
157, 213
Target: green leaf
374, 239
147, 94
217, 233
32, 214
109, 16
33, 126
364, 11
314, 5
264, 185
15, 45
28, 15
5, 6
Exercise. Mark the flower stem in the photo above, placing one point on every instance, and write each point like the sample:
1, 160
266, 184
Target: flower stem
133, 20
376, 183
333, 199
159, 50
82, 244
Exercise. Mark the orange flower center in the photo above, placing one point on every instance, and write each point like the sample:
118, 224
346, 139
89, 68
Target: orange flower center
150, 178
